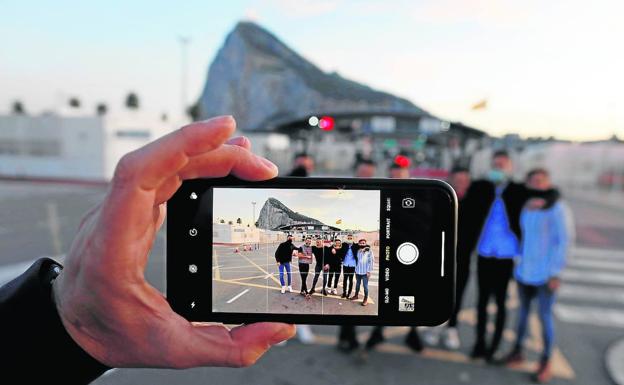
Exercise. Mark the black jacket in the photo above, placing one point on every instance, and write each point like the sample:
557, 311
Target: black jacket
335, 259
283, 253
320, 255
476, 207
36, 348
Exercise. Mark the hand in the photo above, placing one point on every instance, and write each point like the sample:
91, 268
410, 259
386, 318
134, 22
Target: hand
102, 296
326, 267
333, 251
368, 274
554, 283
536, 204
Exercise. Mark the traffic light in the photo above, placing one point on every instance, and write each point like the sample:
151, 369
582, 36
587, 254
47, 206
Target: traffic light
326, 123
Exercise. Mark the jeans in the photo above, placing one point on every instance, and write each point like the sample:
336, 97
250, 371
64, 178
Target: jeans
545, 301
334, 272
304, 268
317, 271
282, 266
359, 278
347, 282
493, 278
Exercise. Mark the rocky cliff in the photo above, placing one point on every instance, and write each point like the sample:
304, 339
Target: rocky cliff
275, 214
262, 82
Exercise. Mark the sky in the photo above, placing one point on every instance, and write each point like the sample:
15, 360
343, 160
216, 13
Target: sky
356, 209
545, 67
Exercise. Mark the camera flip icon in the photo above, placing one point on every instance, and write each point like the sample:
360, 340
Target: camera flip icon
408, 203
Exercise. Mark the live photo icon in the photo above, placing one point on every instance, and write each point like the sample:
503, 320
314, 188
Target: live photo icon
406, 303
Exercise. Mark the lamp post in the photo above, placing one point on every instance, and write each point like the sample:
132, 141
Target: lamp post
253, 204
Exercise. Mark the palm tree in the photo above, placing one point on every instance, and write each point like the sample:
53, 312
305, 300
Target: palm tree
132, 101
18, 108
239, 221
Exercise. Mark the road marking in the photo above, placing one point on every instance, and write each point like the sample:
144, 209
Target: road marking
370, 300
260, 268
586, 252
238, 296
590, 315
591, 293
54, 226
598, 264
593, 277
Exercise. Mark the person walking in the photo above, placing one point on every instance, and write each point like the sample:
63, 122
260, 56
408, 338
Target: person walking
283, 257
545, 242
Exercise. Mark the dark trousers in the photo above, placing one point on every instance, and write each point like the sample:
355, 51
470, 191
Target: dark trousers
334, 272
347, 282
303, 271
493, 278
317, 271
463, 273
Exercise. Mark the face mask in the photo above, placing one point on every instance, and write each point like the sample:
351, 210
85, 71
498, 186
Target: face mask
496, 176
349, 241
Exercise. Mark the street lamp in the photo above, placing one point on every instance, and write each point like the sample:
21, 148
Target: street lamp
253, 203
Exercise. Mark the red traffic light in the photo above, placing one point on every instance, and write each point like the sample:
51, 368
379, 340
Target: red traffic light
326, 123
402, 161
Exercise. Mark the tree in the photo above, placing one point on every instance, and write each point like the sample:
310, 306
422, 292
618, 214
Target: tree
230, 223
132, 101
101, 109
239, 221
222, 221
18, 108
74, 102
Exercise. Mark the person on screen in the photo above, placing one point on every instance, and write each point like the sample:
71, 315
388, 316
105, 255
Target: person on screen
283, 257
545, 242
305, 257
336, 256
348, 266
363, 270
319, 250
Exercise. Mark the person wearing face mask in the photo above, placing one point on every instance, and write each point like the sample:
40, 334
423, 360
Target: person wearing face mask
495, 204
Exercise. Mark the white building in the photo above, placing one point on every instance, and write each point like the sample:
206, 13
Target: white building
223, 233
71, 147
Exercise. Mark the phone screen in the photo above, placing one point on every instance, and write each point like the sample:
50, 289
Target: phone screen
312, 250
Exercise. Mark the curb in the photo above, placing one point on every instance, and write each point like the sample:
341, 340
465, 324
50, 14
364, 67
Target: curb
614, 361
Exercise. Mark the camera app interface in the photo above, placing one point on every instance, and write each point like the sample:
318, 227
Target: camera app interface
295, 251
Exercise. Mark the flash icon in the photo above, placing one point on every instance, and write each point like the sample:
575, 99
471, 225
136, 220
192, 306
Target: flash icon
193, 196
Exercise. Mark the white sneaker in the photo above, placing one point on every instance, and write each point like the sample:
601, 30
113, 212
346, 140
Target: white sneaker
283, 289
304, 334
431, 336
290, 289
451, 339
335, 291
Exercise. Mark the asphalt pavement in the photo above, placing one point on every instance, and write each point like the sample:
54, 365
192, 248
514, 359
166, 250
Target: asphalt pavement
41, 220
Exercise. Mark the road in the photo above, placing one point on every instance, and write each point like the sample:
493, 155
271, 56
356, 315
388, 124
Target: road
248, 281
41, 219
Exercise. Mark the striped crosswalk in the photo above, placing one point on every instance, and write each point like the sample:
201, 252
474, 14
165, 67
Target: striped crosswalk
593, 288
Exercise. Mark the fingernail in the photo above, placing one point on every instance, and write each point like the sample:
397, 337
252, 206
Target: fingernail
221, 119
267, 163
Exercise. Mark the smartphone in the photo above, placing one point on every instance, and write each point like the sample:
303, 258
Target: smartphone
312, 251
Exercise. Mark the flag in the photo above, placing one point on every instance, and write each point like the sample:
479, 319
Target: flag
481, 105
339, 221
